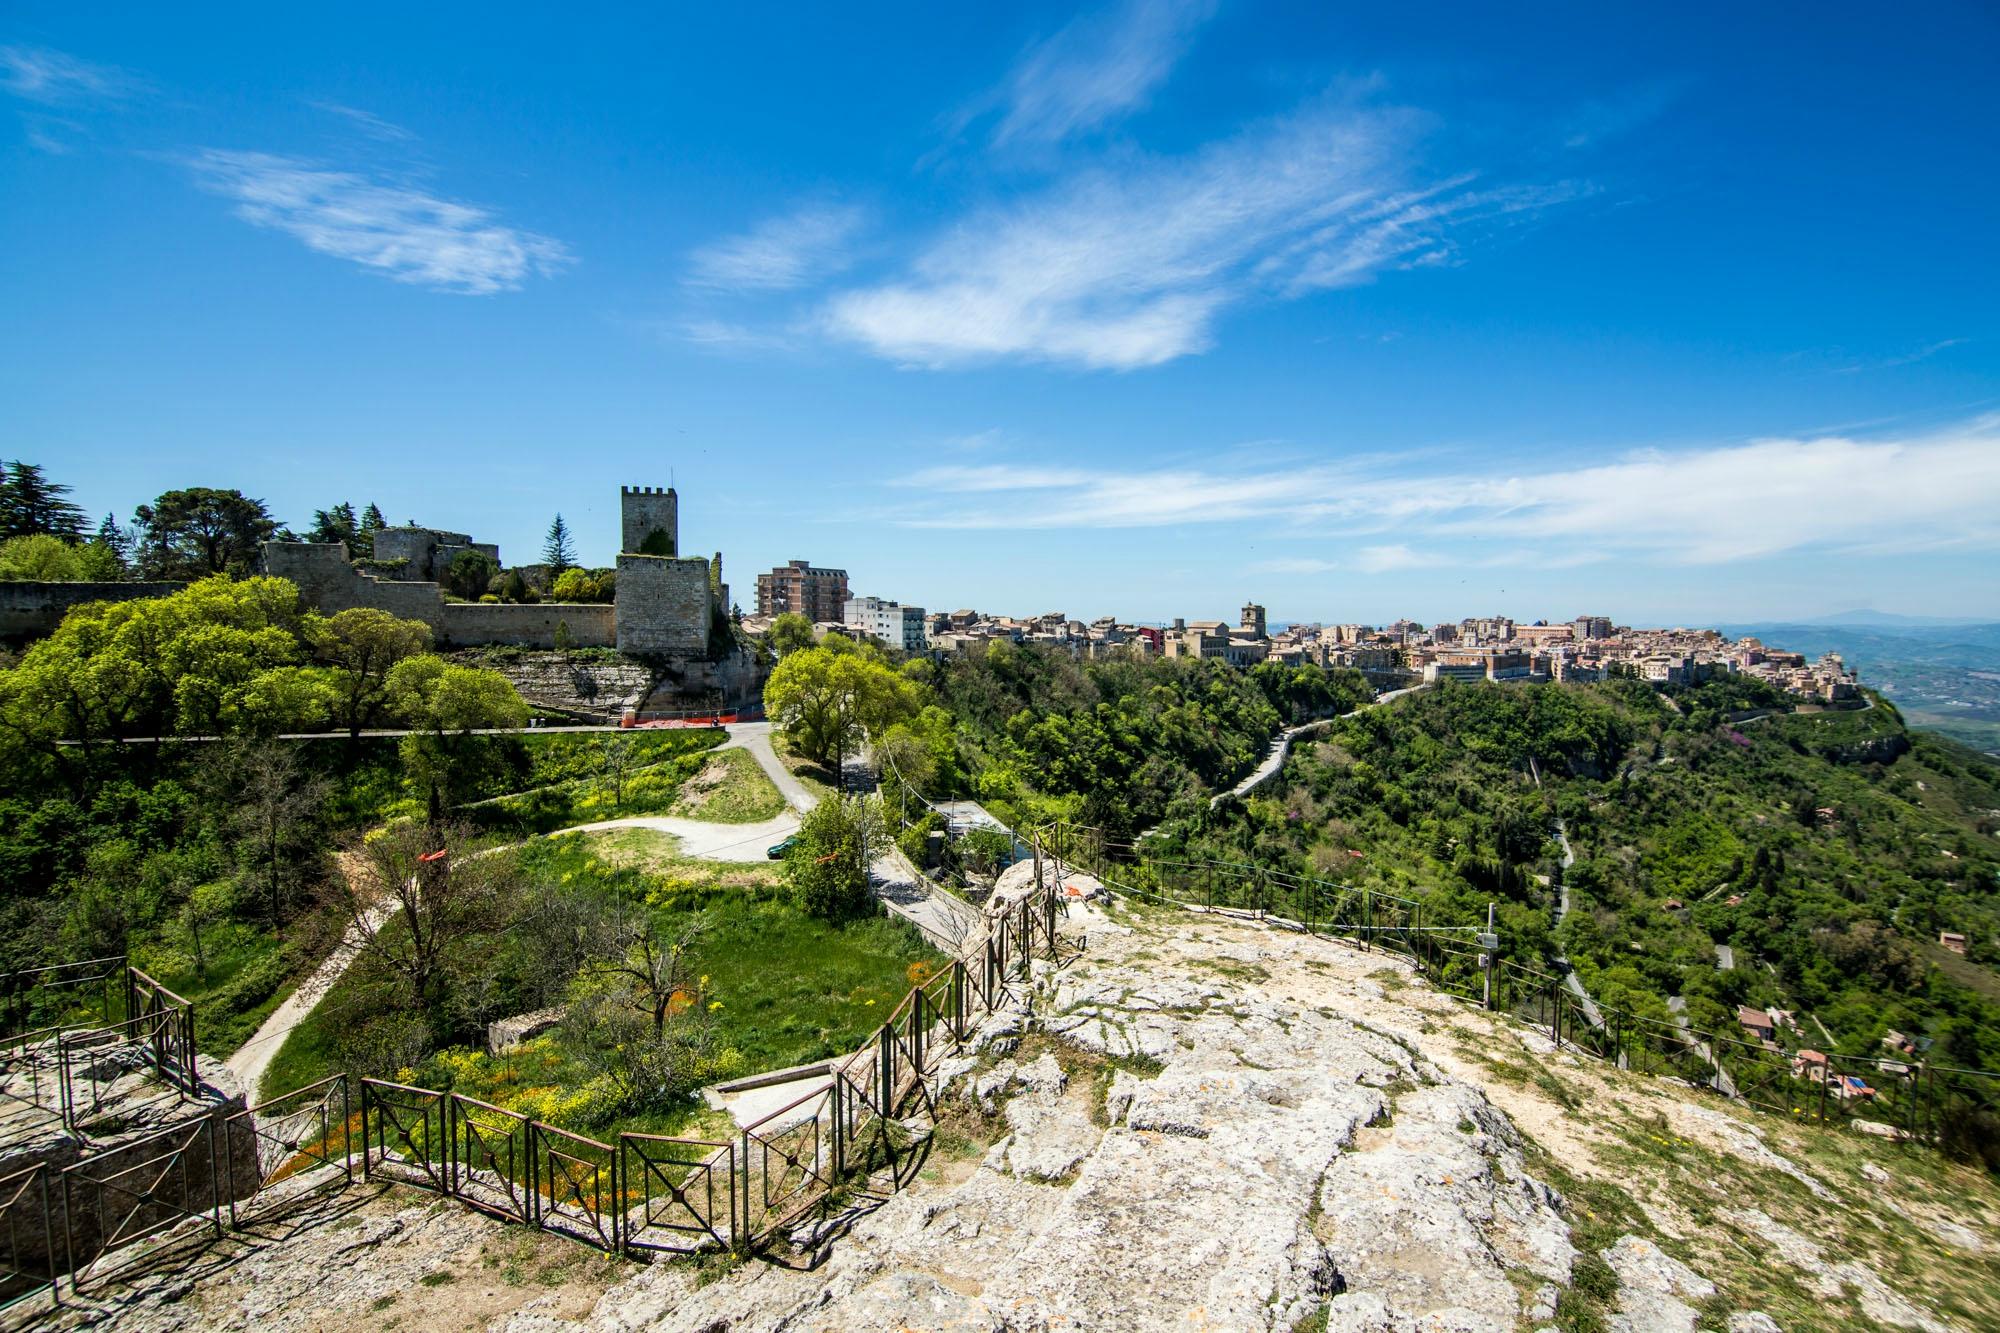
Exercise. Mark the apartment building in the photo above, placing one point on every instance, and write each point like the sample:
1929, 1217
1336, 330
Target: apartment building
799, 586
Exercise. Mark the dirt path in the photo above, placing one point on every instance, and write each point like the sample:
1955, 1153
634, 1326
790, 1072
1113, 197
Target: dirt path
254, 1056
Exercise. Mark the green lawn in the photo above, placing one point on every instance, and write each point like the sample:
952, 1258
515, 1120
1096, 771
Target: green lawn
730, 789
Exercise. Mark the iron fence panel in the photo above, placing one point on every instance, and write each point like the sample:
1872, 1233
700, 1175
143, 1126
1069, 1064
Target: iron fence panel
578, 1192
139, 1191
304, 1129
686, 1191
405, 1133
27, 1237
492, 1166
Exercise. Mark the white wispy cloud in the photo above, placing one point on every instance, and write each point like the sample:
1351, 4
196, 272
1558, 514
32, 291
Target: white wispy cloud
1924, 353
1130, 266
395, 229
52, 78
370, 124
1395, 556
1101, 66
807, 246
1294, 565
1692, 506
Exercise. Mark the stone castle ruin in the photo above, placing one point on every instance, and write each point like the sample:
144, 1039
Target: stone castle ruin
663, 606
667, 611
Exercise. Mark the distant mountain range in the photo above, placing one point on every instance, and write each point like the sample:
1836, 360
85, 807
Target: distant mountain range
1889, 619
1943, 674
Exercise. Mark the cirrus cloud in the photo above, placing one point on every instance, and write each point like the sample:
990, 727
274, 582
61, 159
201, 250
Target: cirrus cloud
1700, 506
397, 230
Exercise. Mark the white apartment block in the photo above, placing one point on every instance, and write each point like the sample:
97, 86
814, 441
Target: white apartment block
897, 625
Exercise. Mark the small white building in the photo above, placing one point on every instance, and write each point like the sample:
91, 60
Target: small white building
897, 625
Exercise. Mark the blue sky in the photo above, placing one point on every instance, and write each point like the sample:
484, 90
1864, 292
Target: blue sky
1146, 308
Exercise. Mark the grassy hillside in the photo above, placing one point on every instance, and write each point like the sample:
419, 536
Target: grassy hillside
1826, 849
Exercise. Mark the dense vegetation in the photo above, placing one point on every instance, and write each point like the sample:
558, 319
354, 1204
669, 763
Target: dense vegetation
209, 860
1119, 744
1827, 849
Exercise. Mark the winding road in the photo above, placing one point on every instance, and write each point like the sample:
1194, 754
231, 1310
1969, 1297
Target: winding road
1281, 747
1571, 982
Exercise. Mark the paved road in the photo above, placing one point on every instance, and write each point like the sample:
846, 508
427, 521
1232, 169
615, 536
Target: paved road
1281, 747
756, 738
704, 841
1571, 982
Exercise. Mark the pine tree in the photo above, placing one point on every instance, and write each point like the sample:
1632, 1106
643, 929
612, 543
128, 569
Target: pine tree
334, 525
364, 536
30, 503
559, 553
114, 538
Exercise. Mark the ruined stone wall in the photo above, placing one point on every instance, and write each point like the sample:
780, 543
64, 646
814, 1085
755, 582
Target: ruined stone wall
33, 610
664, 606
468, 624
326, 581
429, 551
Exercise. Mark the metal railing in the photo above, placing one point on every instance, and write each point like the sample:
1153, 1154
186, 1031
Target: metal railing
307, 1128
137, 1191
651, 1193
113, 1021
27, 1237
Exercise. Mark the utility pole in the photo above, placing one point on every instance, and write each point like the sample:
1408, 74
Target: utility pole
1489, 944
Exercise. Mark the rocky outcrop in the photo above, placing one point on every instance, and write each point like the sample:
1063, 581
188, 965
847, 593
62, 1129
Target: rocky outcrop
597, 684
1189, 1150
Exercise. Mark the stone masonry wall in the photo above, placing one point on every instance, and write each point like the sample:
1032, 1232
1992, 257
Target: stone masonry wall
664, 606
33, 610
326, 581
642, 510
468, 624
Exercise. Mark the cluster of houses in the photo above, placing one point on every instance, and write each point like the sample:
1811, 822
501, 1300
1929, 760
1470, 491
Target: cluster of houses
1496, 648
1904, 1057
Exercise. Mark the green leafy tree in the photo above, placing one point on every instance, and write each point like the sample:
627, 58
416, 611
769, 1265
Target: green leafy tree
41, 558
827, 866
790, 633
827, 702
470, 575
189, 663
31, 505
585, 585
190, 534
361, 645
443, 702
558, 551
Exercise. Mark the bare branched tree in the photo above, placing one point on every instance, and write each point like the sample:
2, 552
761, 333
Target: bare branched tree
416, 897
657, 964
275, 806
617, 756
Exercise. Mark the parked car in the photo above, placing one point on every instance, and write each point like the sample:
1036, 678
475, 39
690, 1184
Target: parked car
777, 850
